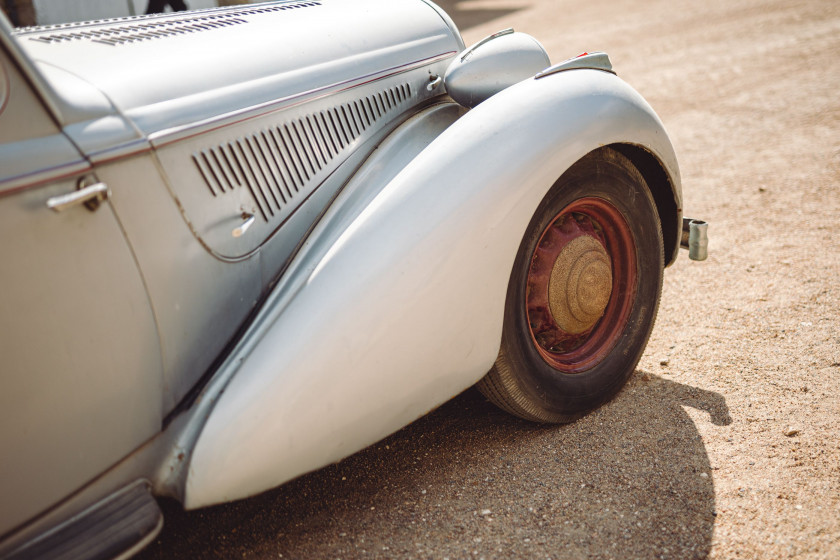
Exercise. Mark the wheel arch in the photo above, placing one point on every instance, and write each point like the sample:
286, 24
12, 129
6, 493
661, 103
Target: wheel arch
663, 190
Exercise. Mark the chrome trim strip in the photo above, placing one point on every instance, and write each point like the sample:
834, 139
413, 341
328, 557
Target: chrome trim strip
487, 39
169, 136
134, 147
11, 185
4, 88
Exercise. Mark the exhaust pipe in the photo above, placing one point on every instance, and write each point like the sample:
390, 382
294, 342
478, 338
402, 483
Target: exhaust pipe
694, 239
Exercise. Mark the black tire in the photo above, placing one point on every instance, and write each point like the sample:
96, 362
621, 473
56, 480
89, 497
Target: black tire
575, 327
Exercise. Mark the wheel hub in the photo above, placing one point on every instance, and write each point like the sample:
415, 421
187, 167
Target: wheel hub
580, 285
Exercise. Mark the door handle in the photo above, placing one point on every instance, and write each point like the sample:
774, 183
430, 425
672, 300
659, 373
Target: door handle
90, 196
249, 220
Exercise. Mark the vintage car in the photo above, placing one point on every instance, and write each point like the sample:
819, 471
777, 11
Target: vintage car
243, 243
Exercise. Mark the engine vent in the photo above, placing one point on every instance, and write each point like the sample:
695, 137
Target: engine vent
281, 164
137, 29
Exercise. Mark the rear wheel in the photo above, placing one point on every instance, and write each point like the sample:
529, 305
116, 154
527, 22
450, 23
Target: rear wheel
583, 294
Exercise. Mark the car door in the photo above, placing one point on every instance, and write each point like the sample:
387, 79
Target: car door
80, 358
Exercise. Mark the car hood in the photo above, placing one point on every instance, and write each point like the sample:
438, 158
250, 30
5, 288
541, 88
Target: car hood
168, 71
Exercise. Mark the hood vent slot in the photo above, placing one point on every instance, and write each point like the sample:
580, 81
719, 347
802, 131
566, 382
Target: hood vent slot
145, 28
281, 165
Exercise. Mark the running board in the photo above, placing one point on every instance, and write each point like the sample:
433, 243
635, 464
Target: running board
116, 527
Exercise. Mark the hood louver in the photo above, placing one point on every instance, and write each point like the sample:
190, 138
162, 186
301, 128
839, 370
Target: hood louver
280, 165
146, 29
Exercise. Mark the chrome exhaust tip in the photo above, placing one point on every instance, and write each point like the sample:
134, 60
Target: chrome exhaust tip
695, 239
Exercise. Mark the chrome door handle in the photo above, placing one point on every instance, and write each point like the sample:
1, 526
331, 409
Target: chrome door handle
243, 227
90, 196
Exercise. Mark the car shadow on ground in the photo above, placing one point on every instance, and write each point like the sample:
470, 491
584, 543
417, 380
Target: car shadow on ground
630, 480
466, 17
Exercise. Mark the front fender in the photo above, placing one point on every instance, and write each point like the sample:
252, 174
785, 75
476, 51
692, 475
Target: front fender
395, 305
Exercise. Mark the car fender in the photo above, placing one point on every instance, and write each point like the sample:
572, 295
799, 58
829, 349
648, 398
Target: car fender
400, 308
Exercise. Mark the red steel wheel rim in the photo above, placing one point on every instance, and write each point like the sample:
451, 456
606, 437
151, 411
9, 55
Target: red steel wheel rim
581, 285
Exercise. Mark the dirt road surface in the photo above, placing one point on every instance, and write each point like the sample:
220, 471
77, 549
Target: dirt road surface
726, 443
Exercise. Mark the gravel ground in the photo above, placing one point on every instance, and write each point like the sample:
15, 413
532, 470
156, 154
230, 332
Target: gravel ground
725, 444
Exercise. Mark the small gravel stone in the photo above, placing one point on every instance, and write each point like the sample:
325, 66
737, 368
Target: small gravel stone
790, 432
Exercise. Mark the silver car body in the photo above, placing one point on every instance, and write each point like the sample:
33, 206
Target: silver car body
304, 244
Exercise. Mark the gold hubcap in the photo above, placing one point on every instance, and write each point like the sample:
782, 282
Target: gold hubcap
580, 285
